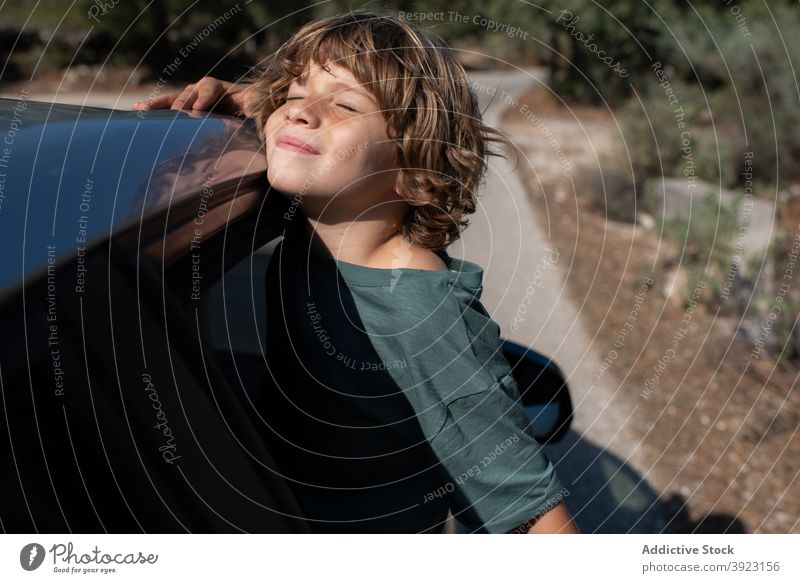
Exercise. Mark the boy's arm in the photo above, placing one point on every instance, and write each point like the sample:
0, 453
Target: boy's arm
557, 520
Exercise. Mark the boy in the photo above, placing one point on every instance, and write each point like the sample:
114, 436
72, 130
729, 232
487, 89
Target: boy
388, 401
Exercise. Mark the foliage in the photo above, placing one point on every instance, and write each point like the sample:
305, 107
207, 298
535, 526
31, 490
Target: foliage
705, 238
609, 189
154, 34
751, 82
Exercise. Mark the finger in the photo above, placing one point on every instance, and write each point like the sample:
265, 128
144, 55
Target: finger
185, 99
206, 97
160, 102
242, 99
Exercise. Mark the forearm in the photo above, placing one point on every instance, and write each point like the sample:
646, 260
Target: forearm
557, 520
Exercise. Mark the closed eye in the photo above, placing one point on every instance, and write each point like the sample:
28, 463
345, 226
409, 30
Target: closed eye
342, 105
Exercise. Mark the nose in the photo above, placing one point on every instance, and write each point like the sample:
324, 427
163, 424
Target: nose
303, 113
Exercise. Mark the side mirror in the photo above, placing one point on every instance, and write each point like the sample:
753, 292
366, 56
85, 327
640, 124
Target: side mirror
543, 390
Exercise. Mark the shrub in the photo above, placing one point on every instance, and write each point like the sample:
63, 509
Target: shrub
705, 238
609, 188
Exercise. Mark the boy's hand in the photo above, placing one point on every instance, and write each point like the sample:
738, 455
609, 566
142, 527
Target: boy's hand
206, 94
557, 520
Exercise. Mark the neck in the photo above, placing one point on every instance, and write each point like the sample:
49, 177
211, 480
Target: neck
356, 235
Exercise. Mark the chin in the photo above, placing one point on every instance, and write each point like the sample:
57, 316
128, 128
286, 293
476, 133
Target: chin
288, 180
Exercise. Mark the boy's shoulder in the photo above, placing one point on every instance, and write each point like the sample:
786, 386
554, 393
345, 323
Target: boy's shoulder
426, 259
408, 255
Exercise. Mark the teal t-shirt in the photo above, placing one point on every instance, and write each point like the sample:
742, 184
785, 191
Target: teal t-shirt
388, 400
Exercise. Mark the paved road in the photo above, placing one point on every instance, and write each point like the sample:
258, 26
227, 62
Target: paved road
599, 462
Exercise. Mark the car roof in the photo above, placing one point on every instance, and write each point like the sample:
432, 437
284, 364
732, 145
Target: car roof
70, 175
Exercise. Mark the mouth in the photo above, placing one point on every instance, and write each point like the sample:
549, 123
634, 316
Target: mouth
295, 145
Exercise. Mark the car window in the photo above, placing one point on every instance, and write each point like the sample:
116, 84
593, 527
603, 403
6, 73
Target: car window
77, 172
116, 418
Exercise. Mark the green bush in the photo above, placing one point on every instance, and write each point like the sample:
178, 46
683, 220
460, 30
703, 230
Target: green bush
706, 236
737, 98
609, 188
717, 157
750, 91
651, 134
704, 241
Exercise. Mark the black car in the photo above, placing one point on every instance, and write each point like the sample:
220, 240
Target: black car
132, 303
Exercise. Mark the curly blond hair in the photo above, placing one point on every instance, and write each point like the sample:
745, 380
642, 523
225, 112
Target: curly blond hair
431, 112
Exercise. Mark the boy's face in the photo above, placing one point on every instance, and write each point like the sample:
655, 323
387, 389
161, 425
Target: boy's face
329, 140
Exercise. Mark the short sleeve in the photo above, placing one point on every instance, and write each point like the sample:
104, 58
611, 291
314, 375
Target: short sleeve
496, 474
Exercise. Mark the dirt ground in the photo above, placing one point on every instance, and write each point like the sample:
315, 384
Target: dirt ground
722, 425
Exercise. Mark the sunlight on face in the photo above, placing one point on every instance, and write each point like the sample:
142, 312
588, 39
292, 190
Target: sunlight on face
328, 141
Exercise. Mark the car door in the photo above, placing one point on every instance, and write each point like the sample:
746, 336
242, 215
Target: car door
115, 414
